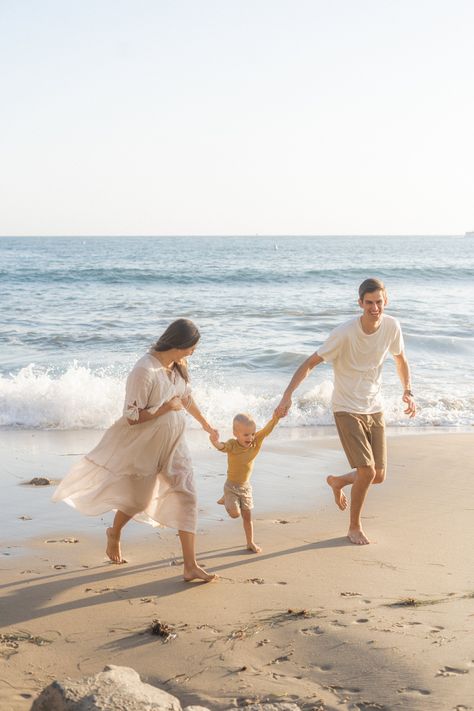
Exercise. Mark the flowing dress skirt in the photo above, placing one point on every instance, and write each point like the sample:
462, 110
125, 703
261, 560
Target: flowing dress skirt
144, 470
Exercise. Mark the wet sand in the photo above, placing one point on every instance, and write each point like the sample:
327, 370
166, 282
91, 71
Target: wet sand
312, 619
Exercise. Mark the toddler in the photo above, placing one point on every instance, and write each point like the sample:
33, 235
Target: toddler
241, 451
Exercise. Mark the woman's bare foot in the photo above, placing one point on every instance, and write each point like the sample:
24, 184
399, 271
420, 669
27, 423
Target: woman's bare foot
253, 547
339, 496
113, 547
221, 501
197, 573
357, 536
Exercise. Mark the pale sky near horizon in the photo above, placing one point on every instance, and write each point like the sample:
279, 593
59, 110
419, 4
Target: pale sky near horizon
167, 117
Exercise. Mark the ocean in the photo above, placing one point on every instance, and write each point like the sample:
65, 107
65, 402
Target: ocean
78, 312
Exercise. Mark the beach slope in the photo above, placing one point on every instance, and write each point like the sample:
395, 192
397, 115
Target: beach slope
312, 619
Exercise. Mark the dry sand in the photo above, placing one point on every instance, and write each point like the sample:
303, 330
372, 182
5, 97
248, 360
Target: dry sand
312, 619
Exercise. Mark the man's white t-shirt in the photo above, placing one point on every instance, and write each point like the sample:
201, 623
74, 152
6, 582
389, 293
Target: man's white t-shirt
357, 359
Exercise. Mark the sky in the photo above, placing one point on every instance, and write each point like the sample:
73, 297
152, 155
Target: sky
214, 117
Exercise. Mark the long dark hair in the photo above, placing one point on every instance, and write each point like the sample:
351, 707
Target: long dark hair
182, 334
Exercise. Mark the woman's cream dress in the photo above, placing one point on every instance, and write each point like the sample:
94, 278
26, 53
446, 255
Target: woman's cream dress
145, 469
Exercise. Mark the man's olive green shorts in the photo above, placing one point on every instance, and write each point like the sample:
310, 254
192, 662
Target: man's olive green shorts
363, 438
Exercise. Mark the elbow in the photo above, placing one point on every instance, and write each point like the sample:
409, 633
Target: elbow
401, 361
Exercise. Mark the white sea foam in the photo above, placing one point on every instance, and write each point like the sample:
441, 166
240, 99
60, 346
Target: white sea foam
106, 303
81, 397
76, 399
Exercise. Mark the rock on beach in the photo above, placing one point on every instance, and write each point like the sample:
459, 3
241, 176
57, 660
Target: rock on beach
120, 689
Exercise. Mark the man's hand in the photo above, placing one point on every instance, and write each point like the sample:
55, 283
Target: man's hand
283, 407
410, 402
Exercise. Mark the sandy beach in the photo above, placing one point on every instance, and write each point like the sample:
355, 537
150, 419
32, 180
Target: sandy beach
313, 619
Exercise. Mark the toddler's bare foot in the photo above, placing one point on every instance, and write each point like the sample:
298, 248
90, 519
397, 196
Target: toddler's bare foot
339, 496
197, 573
113, 547
253, 547
357, 536
221, 501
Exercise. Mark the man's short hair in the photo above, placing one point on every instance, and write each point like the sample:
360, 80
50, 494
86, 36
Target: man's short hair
370, 285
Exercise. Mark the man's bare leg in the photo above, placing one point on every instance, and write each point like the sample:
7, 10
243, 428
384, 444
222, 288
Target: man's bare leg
337, 483
191, 569
363, 479
379, 476
248, 528
113, 550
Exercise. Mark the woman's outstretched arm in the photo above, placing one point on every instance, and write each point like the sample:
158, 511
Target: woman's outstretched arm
194, 410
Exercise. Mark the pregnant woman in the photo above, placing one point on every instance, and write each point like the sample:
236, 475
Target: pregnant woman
142, 467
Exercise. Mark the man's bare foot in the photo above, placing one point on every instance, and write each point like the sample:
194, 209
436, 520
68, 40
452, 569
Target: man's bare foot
357, 536
253, 547
339, 495
113, 547
221, 501
197, 573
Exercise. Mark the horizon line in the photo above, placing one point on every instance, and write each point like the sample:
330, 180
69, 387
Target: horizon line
233, 235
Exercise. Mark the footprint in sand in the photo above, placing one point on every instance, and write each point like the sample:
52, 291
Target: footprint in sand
361, 620
312, 630
345, 690
451, 671
322, 667
336, 623
283, 658
416, 692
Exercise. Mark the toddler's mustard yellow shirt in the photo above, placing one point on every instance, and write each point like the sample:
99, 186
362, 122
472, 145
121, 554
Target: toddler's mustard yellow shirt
240, 459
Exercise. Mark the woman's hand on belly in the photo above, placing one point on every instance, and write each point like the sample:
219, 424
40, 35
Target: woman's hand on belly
175, 403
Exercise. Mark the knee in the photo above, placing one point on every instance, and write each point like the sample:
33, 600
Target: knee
233, 513
379, 476
246, 515
367, 474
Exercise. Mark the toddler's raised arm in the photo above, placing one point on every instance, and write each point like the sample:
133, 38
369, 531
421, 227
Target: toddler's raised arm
214, 439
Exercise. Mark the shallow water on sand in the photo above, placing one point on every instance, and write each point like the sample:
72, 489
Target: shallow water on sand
289, 476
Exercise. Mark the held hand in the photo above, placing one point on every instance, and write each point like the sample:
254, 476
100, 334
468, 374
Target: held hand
411, 405
211, 431
175, 403
283, 407
214, 436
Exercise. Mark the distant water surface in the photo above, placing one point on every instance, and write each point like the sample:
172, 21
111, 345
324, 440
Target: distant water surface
78, 312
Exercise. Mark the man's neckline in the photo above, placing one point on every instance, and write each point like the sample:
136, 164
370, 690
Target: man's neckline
369, 333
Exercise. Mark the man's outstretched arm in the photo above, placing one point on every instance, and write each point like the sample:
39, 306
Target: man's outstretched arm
403, 370
300, 374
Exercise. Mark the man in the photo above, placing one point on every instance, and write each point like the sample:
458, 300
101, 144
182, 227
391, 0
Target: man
357, 350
